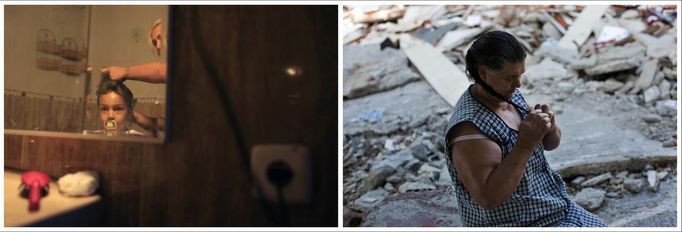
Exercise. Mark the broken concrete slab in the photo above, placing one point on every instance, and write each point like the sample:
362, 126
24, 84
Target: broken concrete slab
629, 14
550, 20
419, 95
632, 25
664, 87
545, 70
652, 179
456, 38
584, 63
436, 208
651, 94
448, 80
374, 14
415, 16
551, 31
611, 86
589, 147
613, 66
646, 78
550, 48
597, 180
620, 52
432, 35
634, 185
666, 107
578, 33
368, 69
657, 47
612, 34
628, 86
590, 198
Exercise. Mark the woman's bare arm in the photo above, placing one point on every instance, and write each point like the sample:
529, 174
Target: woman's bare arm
489, 179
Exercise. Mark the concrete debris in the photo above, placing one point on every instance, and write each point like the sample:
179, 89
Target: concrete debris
420, 151
434, 34
615, 74
456, 38
584, 63
651, 94
415, 186
371, 199
597, 180
613, 66
646, 78
670, 143
651, 118
634, 185
652, 179
374, 14
368, 69
661, 175
578, 33
617, 53
377, 177
415, 16
389, 188
551, 49
448, 80
544, 70
578, 180
444, 177
590, 198
664, 87
612, 34
611, 86
614, 195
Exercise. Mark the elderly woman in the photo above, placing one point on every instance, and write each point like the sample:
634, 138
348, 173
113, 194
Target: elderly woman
495, 145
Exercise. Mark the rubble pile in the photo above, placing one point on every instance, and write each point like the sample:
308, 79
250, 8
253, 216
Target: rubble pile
625, 55
590, 192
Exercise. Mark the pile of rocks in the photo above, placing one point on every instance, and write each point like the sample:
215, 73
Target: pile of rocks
393, 126
590, 191
406, 163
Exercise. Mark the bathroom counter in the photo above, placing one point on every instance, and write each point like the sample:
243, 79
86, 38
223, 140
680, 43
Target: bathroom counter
55, 208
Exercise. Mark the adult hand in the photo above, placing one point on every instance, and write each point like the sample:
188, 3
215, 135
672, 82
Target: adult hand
545, 109
116, 73
533, 128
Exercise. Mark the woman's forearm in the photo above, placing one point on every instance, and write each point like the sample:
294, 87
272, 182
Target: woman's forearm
154, 72
552, 139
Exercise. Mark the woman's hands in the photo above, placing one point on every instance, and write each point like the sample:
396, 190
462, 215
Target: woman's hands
534, 127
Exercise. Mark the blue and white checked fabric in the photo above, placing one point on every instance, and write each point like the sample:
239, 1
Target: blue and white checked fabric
539, 200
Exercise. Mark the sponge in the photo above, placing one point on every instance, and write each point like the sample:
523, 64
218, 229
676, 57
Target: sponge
83, 183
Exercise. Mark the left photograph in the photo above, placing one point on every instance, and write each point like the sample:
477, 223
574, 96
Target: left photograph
182, 116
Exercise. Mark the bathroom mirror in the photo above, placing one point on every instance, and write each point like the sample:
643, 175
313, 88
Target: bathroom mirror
58, 57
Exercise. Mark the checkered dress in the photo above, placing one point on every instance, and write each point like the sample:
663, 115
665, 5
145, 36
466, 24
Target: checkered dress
539, 200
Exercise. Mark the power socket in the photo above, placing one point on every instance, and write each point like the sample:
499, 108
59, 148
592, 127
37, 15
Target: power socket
297, 157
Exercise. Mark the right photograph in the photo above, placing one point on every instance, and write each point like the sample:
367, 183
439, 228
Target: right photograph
510, 115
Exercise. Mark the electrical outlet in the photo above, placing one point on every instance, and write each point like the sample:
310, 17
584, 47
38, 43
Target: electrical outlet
297, 157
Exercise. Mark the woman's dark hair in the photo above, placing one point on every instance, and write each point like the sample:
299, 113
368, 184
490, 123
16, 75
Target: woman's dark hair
107, 86
493, 50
